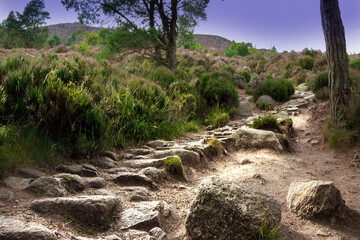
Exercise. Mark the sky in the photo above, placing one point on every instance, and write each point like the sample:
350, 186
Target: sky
285, 24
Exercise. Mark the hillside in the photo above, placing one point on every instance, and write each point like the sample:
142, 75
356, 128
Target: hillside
208, 42
64, 30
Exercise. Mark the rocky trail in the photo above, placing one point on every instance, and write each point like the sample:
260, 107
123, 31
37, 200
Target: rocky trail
147, 192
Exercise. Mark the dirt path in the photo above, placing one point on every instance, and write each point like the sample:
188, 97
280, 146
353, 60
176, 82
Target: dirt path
273, 173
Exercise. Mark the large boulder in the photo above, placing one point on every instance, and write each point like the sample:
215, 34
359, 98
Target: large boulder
12, 229
224, 209
315, 199
86, 209
246, 137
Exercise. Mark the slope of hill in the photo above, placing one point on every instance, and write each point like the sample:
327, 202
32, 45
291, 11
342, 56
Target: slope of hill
208, 42
64, 30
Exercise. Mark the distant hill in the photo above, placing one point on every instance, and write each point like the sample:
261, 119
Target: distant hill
212, 42
64, 30
208, 42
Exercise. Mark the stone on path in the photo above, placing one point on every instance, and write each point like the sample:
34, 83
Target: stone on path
6, 195
188, 157
246, 137
144, 216
47, 186
30, 173
16, 182
158, 233
315, 199
84, 170
71, 182
224, 209
265, 101
12, 229
133, 179
105, 163
86, 209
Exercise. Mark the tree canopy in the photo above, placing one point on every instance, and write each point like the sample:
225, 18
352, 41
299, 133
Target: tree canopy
160, 17
25, 30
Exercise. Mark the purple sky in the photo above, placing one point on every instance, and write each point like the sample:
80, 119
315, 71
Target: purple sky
285, 24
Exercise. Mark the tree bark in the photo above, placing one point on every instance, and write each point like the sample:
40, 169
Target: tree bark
337, 59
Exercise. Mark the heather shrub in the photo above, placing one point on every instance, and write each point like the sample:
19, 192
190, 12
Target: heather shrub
306, 63
245, 74
218, 88
355, 64
65, 112
320, 81
278, 89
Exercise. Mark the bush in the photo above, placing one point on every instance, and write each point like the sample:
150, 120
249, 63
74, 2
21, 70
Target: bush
268, 122
278, 89
218, 117
239, 49
54, 41
337, 136
320, 81
218, 88
245, 74
322, 93
66, 113
355, 64
306, 63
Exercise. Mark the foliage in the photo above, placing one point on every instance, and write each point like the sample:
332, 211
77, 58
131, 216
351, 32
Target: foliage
71, 40
245, 74
355, 65
174, 165
278, 89
337, 136
306, 63
218, 88
320, 81
322, 93
268, 233
268, 122
158, 19
91, 38
239, 49
352, 109
54, 41
218, 117
24, 30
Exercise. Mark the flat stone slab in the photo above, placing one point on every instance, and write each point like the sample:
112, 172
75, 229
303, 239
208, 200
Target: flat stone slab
86, 209
144, 163
16, 182
12, 229
133, 179
84, 170
30, 173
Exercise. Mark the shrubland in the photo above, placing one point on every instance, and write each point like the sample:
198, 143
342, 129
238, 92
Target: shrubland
67, 101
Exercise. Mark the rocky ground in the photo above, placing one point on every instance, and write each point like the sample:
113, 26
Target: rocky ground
146, 193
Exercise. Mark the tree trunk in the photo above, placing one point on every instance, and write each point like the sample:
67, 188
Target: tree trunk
171, 54
337, 59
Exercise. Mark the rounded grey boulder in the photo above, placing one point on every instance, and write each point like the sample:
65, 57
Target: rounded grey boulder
315, 199
225, 209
